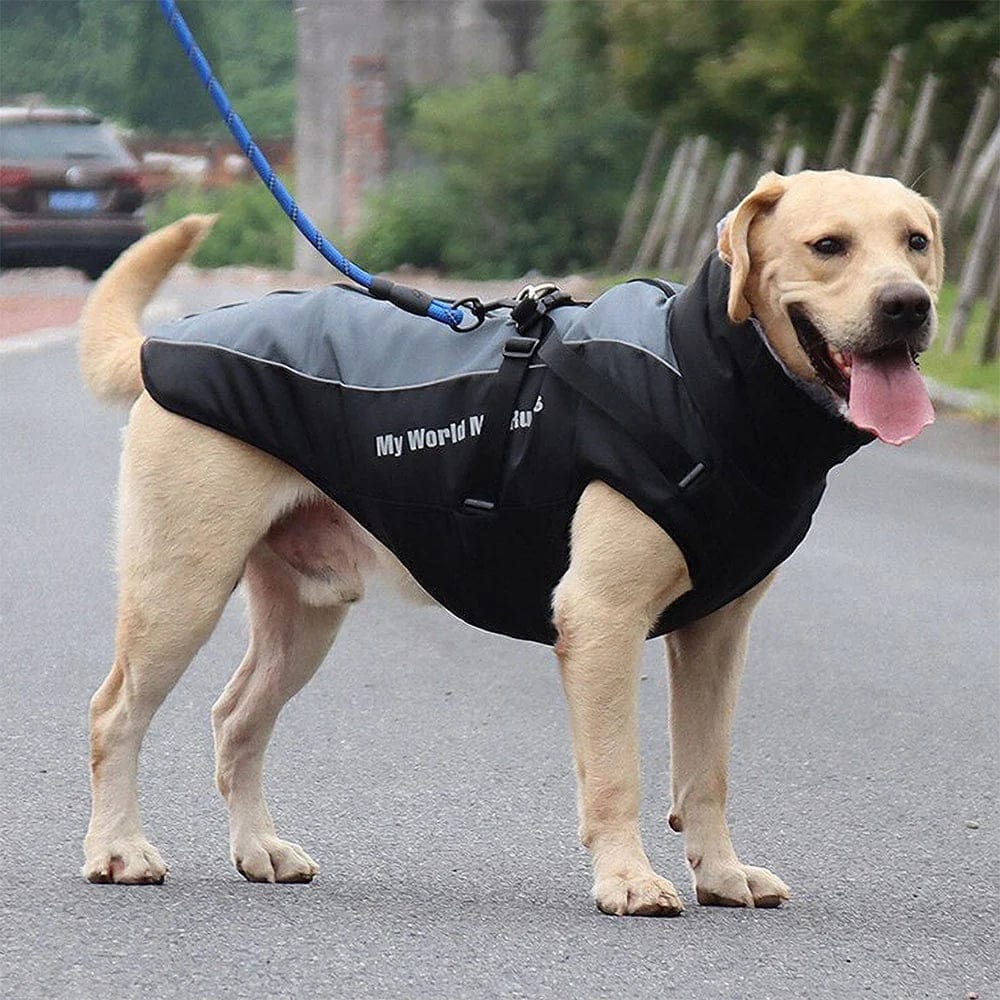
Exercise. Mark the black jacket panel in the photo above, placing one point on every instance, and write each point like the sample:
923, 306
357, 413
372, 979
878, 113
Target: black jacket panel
382, 411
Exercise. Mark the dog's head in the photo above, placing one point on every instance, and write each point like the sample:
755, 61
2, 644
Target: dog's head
842, 271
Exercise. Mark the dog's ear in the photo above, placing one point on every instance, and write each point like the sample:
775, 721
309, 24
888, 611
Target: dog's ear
733, 245
937, 245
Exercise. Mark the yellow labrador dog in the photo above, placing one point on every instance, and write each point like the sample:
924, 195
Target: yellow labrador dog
837, 270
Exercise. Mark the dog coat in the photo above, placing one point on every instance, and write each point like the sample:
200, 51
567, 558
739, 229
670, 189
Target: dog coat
656, 394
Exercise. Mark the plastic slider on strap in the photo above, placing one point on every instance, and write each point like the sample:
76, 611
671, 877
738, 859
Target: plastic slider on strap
520, 347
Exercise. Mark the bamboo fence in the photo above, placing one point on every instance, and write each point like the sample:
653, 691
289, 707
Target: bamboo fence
673, 228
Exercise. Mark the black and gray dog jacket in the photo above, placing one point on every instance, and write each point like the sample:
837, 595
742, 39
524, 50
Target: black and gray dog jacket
649, 389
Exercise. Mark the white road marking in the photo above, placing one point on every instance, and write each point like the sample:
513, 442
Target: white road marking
37, 340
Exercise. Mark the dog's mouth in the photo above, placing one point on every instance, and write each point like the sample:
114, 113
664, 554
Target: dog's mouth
883, 389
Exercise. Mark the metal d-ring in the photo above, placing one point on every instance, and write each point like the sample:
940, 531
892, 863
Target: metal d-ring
536, 292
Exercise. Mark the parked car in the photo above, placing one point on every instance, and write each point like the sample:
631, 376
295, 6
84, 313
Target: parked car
70, 193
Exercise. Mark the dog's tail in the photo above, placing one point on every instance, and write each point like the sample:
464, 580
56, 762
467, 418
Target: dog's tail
110, 335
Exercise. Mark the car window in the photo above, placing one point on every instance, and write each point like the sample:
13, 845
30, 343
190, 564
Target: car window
22, 141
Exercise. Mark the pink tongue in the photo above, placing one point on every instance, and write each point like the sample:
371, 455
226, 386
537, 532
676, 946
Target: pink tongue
888, 396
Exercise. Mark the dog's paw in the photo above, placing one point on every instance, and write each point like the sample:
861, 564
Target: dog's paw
739, 885
268, 859
640, 896
124, 862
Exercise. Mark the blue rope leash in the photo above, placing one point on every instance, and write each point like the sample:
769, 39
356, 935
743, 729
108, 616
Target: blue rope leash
410, 299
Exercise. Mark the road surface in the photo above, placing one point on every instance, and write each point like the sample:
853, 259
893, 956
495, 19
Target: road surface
427, 768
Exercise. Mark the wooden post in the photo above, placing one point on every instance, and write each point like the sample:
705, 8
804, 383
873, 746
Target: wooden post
638, 199
684, 206
775, 143
975, 133
701, 220
919, 126
836, 154
879, 118
983, 241
724, 199
991, 335
795, 160
658, 224
985, 166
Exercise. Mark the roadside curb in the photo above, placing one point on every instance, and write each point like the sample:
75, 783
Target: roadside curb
968, 401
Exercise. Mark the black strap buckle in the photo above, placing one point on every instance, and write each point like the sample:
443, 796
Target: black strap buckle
532, 303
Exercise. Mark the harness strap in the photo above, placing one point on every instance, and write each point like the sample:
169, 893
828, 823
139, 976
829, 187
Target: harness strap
530, 314
533, 340
662, 449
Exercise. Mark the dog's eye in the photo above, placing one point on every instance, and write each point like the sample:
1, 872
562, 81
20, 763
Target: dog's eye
829, 246
918, 242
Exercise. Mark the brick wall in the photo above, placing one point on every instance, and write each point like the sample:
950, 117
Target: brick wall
354, 58
365, 151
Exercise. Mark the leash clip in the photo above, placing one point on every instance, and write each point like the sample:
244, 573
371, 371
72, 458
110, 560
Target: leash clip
480, 310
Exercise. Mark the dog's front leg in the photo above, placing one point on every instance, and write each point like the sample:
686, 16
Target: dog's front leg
706, 661
623, 571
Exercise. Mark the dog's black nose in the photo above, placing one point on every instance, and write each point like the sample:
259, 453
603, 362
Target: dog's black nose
902, 308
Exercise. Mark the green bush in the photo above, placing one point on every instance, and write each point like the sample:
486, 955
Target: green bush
252, 228
525, 172
408, 223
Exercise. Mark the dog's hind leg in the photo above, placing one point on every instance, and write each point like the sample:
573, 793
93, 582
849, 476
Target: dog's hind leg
185, 532
706, 661
623, 571
300, 582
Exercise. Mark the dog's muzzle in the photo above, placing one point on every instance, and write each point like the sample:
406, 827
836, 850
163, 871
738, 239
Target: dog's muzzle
877, 375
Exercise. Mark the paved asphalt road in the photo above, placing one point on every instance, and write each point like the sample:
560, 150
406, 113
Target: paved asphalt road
427, 769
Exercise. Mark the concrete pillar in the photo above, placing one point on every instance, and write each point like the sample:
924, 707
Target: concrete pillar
330, 33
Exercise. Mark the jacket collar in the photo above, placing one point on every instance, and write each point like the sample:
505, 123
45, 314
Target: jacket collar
783, 440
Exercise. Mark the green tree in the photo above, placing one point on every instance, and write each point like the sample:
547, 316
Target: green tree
255, 45
72, 52
165, 94
956, 39
727, 67
98, 53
